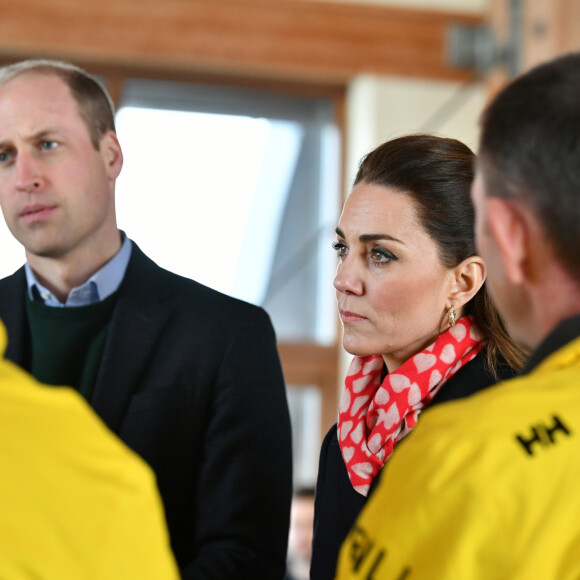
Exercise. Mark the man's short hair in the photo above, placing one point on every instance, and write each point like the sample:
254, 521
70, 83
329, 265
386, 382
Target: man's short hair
94, 103
530, 150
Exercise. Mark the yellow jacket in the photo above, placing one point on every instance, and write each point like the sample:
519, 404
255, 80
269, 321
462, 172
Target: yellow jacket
75, 503
485, 488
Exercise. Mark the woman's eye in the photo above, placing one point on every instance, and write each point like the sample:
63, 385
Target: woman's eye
340, 249
382, 256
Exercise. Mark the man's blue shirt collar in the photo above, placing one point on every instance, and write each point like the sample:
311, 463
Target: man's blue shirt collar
98, 287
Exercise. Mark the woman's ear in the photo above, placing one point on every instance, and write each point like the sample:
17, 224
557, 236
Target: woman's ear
468, 278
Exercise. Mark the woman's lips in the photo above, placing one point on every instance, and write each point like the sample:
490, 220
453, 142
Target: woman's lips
347, 316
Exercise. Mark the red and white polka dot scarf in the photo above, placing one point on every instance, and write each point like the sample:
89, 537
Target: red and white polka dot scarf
373, 417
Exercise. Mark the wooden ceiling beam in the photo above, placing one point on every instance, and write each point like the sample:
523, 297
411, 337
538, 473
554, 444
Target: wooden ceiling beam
306, 40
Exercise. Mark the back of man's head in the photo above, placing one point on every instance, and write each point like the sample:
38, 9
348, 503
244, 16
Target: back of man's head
530, 151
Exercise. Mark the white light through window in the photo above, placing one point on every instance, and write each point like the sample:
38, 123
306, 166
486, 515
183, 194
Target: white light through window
11, 252
203, 194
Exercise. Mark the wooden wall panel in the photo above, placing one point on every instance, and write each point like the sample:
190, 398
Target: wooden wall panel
549, 29
288, 39
311, 365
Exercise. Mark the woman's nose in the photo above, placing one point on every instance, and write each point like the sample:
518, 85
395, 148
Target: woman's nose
347, 279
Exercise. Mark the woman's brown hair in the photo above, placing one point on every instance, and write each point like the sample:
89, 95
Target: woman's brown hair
437, 173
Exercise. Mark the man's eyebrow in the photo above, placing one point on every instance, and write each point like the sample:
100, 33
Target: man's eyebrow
38, 136
42, 134
371, 237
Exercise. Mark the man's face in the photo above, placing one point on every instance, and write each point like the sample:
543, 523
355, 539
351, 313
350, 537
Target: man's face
56, 190
507, 298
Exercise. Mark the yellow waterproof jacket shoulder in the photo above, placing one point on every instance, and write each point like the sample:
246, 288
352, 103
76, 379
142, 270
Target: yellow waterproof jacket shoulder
485, 488
76, 503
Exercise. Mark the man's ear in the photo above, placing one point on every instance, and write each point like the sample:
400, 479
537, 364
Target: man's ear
509, 230
112, 154
468, 278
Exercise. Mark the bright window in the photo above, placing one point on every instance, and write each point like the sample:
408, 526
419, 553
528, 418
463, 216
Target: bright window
237, 189
211, 195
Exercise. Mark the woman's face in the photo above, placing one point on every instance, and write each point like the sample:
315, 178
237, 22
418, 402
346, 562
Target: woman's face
391, 286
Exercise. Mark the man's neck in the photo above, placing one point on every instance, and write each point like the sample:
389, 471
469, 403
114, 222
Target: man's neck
555, 301
60, 275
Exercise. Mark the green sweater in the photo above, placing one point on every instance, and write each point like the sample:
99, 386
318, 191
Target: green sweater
67, 343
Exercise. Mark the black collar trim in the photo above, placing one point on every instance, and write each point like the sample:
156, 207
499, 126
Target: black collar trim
564, 333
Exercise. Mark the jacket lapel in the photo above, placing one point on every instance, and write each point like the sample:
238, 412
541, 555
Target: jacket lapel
136, 326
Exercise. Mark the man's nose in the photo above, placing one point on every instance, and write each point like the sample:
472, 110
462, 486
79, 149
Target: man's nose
28, 175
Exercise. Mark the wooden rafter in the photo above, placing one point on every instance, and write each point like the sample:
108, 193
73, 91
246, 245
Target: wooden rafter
304, 40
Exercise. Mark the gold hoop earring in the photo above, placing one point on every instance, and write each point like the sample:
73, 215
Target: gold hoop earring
452, 316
